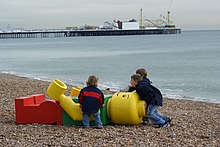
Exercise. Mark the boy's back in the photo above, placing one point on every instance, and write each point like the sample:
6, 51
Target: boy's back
91, 98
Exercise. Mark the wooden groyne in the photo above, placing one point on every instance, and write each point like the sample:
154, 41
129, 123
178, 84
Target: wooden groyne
77, 33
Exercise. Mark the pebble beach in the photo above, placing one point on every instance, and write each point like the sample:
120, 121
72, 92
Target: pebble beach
195, 123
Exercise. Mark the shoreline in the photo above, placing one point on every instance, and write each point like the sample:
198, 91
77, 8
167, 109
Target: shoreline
112, 91
194, 123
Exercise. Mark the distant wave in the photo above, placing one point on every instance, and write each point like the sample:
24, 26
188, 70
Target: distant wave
179, 94
30, 76
88, 54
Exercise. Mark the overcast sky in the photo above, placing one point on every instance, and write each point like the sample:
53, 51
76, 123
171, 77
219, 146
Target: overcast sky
35, 14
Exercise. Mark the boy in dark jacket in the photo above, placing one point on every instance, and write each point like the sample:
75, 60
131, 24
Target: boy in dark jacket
153, 99
91, 99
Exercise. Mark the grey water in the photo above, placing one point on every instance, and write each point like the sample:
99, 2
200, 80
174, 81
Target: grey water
184, 66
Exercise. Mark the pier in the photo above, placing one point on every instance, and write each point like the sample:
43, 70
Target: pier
32, 34
78, 33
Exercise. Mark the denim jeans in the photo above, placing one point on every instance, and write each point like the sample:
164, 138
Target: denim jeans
86, 119
155, 116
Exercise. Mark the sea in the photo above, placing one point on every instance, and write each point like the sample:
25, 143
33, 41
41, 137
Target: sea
182, 66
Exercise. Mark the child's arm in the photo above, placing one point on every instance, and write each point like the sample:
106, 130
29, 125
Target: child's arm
102, 100
80, 99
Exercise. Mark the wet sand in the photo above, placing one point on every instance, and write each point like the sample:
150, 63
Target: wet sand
194, 123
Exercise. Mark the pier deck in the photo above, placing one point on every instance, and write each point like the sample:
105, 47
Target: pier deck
76, 33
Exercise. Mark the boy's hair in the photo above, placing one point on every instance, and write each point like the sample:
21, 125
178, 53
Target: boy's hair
142, 72
136, 77
92, 81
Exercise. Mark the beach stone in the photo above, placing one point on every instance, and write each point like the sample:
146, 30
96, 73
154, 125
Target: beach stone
194, 123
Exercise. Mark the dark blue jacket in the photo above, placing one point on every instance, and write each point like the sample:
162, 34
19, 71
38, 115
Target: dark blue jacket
91, 98
149, 93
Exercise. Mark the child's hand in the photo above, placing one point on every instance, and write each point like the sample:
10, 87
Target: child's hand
103, 105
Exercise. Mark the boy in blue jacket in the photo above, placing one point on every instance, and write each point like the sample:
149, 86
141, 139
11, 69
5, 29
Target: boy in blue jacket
91, 99
153, 99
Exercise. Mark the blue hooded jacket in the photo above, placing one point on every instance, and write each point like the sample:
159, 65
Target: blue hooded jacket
149, 93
